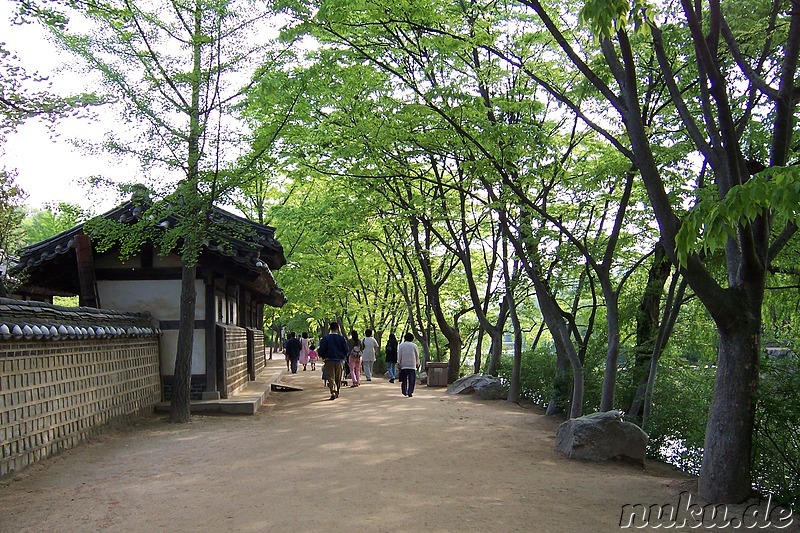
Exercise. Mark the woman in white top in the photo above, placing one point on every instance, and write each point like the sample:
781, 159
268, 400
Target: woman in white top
370, 350
408, 362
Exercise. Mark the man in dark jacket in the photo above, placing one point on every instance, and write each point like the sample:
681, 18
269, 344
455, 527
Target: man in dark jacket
293, 348
333, 349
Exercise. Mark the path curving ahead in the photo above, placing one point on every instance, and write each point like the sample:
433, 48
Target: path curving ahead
371, 460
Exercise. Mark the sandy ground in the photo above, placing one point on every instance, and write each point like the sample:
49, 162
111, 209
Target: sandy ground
372, 460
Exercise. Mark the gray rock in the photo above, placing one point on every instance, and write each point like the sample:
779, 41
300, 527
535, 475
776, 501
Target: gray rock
487, 387
601, 436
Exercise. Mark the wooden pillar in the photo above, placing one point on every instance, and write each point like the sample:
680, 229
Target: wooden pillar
241, 307
88, 285
212, 392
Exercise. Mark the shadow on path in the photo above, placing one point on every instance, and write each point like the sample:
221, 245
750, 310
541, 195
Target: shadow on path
372, 460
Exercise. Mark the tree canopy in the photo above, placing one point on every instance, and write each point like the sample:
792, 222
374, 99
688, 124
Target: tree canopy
595, 200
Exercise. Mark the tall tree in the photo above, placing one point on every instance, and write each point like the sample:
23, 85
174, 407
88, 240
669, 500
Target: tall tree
178, 67
11, 214
737, 81
26, 96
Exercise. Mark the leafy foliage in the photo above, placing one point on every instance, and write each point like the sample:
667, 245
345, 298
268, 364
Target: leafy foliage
777, 447
538, 376
11, 214
398, 151
54, 218
25, 96
709, 225
605, 17
680, 412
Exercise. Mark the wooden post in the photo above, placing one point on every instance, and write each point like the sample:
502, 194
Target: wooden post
88, 285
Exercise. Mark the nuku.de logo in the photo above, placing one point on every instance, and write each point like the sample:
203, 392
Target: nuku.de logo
710, 516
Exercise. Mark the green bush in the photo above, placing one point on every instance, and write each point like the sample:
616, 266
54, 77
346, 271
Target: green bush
776, 454
537, 375
379, 366
681, 401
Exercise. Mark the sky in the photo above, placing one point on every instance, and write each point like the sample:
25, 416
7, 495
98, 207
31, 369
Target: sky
49, 166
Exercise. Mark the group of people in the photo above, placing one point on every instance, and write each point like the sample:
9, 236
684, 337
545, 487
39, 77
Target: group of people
359, 353
299, 352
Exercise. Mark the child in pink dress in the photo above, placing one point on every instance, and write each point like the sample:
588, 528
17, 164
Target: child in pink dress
312, 356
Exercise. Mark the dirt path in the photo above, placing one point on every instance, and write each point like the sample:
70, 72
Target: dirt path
371, 460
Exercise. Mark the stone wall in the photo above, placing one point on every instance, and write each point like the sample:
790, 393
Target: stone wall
255, 341
234, 357
66, 371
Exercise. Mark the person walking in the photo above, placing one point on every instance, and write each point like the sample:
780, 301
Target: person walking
293, 348
408, 361
304, 350
370, 351
333, 350
285, 353
354, 358
391, 357
312, 356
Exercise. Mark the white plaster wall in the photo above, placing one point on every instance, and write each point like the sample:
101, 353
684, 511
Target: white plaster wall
162, 298
169, 347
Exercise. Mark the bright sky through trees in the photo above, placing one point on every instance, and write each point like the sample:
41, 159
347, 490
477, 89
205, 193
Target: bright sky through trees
50, 166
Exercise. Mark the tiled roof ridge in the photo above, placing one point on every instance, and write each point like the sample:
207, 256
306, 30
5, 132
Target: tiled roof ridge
29, 320
243, 251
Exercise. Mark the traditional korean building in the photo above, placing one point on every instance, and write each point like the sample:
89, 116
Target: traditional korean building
234, 283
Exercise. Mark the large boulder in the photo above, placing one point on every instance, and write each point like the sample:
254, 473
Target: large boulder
601, 436
487, 387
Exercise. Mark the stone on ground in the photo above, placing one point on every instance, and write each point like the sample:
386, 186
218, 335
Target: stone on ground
601, 436
486, 387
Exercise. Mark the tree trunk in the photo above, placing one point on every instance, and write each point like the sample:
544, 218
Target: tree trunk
515, 386
179, 409
450, 333
647, 325
725, 472
671, 309
495, 353
612, 355
576, 405
516, 371
496, 334
478, 351
554, 319
560, 397
454, 343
